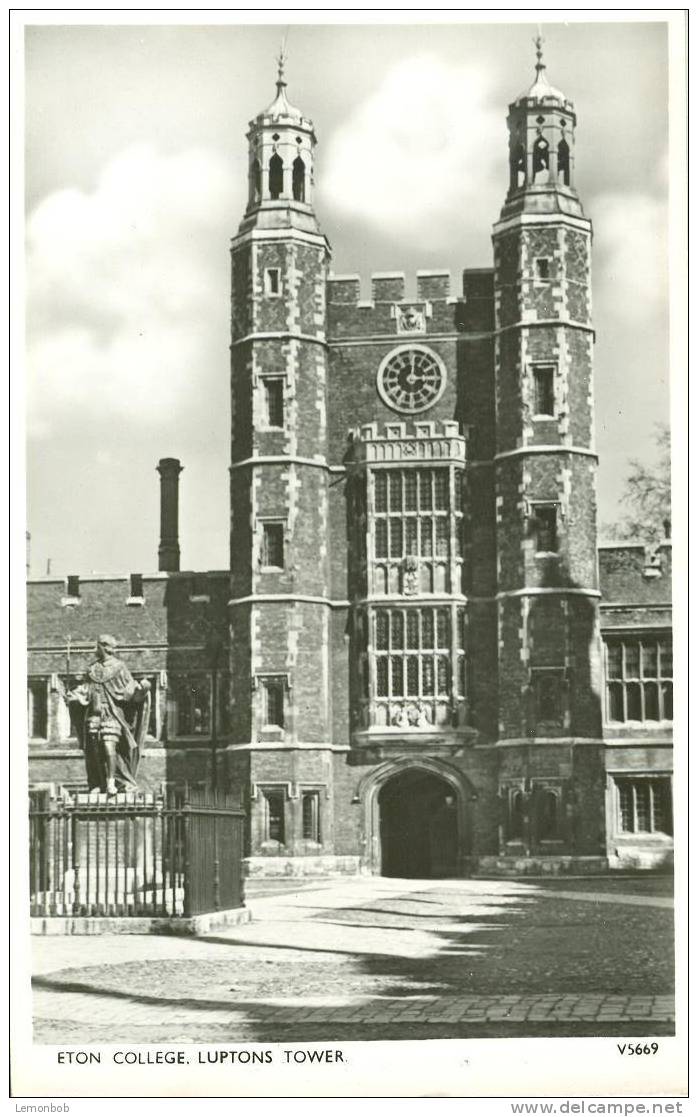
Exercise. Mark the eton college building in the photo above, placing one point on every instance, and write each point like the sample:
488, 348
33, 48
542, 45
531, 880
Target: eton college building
420, 662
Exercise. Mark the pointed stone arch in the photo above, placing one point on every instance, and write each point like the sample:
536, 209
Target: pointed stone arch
373, 782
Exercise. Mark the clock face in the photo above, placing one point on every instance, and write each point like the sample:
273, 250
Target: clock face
411, 379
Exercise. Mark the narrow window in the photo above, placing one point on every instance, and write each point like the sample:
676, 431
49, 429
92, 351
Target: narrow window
274, 828
311, 816
256, 182
540, 156
544, 385
276, 177
546, 528
518, 167
298, 179
274, 401
543, 267
191, 705
272, 281
136, 585
546, 815
273, 545
37, 708
73, 585
547, 694
563, 162
516, 816
273, 694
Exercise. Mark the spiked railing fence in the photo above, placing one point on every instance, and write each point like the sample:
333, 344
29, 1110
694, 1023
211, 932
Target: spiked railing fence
178, 852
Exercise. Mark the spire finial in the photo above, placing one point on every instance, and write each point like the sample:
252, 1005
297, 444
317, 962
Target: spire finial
281, 64
539, 40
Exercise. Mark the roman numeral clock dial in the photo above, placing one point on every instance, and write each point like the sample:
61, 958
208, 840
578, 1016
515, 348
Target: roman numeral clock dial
411, 379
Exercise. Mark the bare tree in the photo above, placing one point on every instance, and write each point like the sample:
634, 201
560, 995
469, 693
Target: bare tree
646, 497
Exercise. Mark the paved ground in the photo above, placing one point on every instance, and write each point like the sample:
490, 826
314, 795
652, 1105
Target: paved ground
378, 959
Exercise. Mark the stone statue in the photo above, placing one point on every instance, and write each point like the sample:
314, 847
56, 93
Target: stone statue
111, 712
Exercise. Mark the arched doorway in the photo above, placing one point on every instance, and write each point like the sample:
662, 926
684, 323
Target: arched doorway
418, 826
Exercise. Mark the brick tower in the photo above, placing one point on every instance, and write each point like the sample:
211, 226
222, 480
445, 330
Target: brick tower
279, 607
551, 773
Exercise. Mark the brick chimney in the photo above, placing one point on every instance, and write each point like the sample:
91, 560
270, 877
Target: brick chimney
168, 551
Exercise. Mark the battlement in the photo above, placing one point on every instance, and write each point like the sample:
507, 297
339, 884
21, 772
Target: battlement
390, 311
390, 287
394, 442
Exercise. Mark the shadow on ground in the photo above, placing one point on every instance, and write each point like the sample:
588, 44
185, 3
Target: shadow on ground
517, 940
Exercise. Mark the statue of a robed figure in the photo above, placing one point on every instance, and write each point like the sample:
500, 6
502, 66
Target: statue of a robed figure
110, 711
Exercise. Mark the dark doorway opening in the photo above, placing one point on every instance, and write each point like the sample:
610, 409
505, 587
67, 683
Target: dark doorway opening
418, 826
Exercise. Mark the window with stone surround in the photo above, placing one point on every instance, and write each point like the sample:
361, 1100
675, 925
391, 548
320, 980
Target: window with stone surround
547, 694
37, 708
273, 691
542, 267
415, 520
272, 282
544, 390
545, 526
643, 805
546, 814
272, 552
273, 401
189, 704
274, 816
639, 678
415, 672
516, 810
310, 816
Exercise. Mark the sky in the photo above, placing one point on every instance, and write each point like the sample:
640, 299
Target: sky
136, 179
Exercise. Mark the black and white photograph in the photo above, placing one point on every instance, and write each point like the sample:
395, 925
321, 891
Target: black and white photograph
344, 393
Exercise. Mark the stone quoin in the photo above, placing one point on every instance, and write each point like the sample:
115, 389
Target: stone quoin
420, 662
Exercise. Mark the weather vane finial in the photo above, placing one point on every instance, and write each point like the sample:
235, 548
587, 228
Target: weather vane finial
539, 40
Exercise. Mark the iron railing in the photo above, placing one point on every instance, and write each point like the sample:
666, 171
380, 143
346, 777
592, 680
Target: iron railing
176, 852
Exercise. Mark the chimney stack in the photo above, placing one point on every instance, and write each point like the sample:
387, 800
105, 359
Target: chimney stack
168, 551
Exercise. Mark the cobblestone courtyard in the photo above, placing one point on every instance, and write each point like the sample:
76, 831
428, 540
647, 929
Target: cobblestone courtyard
374, 958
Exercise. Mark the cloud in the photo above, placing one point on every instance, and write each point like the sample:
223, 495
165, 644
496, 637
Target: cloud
630, 269
426, 148
127, 289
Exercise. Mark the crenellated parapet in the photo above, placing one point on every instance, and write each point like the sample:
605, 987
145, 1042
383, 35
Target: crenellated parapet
394, 443
434, 310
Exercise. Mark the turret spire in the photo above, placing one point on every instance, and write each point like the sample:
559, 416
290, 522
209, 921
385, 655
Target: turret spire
540, 64
281, 65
